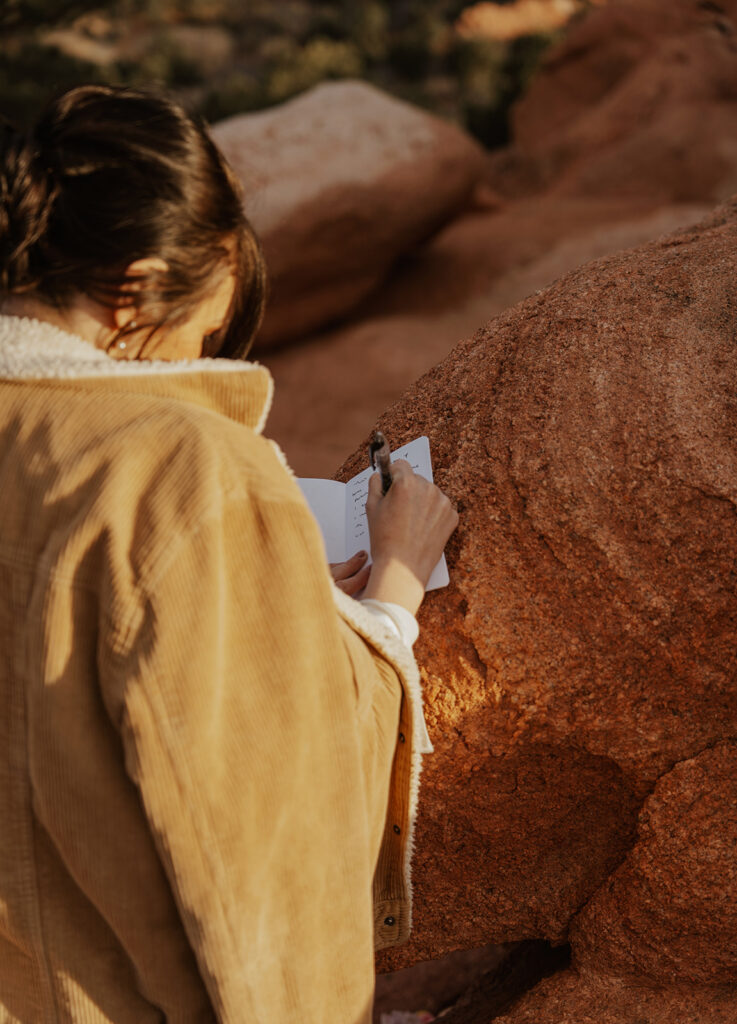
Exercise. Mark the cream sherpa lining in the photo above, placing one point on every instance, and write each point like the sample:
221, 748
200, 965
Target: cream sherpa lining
401, 657
34, 350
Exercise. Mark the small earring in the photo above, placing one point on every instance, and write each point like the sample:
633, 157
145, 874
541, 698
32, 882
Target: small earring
131, 327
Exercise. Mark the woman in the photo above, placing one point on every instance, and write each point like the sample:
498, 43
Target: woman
208, 753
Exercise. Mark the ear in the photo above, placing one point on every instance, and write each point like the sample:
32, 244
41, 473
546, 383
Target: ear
141, 268
135, 274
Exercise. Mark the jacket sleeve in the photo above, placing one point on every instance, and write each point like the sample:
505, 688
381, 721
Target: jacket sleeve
260, 731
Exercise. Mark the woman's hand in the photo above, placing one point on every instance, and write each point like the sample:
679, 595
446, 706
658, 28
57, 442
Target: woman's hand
351, 576
409, 527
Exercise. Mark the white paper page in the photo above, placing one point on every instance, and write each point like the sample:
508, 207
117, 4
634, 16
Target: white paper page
417, 453
326, 499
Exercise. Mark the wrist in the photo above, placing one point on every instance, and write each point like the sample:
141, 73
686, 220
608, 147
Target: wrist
393, 581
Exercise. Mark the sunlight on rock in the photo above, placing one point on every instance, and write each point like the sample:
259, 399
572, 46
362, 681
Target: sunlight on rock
523, 18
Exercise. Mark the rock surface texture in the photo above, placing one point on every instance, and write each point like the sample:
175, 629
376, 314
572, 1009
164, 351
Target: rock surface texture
338, 183
580, 671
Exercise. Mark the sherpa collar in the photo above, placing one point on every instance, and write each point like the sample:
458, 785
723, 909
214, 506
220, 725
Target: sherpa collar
35, 350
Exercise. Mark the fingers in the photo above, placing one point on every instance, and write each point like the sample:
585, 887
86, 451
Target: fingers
401, 468
374, 485
374, 492
344, 570
397, 469
352, 575
409, 526
353, 584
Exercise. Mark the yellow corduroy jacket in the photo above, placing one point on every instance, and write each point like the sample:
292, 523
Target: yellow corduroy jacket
208, 754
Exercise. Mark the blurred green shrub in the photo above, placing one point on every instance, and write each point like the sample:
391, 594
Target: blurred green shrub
163, 63
205, 11
407, 47
316, 61
33, 73
25, 14
417, 40
238, 93
485, 88
369, 28
28, 14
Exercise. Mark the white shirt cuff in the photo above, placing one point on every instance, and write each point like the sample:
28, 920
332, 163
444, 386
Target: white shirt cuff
398, 619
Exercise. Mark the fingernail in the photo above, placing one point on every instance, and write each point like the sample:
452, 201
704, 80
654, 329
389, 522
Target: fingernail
362, 554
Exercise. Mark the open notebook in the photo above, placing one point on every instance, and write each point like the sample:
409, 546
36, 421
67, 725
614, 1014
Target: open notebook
341, 514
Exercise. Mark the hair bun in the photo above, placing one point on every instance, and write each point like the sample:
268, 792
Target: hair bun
27, 194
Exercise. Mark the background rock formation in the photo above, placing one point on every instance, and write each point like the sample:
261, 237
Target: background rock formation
626, 133
639, 101
338, 183
580, 671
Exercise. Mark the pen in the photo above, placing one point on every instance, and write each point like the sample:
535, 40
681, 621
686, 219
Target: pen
380, 457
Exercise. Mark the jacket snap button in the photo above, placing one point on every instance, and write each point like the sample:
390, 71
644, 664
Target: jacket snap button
401, 737
389, 921
397, 829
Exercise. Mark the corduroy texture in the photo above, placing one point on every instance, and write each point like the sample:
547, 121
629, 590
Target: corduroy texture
199, 756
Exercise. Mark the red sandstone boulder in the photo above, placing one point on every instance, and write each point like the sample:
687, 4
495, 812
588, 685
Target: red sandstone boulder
639, 100
669, 912
580, 997
657, 942
339, 182
331, 388
581, 664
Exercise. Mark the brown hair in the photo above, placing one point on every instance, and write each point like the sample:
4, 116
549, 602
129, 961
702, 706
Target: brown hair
109, 176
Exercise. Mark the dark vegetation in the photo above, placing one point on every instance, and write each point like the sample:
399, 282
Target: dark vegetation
229, 56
